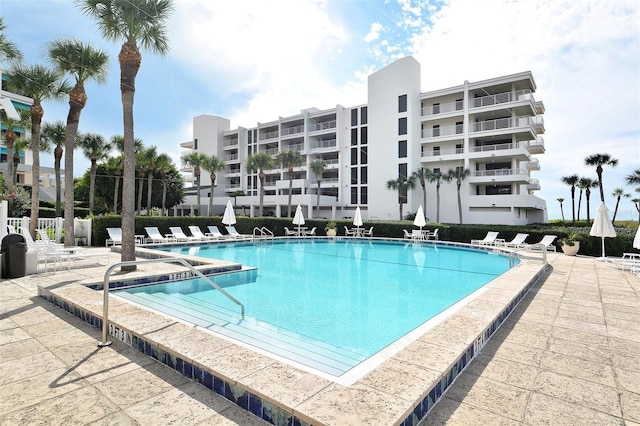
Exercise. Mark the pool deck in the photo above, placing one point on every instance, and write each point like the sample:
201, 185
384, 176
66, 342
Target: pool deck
568, 354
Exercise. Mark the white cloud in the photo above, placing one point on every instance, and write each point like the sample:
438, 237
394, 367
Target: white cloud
374, 33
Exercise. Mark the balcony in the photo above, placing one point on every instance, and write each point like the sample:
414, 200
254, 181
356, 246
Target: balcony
286, 131
230, 157
500, 176
230, 142
324, 144
444, 131
270, 151
325, 125
533, 185
268, 135
517, 150
523, 127
537, 146
438, 154
503, 98
533, 164
432, 110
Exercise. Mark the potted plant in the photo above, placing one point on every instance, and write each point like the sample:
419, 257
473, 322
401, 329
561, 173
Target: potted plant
330, 229
570, 244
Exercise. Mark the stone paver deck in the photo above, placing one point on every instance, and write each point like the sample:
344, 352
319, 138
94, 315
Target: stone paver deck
568, 354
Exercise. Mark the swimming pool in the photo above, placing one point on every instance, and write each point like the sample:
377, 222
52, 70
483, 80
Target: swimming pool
325, 304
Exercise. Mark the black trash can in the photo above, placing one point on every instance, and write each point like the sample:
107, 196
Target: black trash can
14, 256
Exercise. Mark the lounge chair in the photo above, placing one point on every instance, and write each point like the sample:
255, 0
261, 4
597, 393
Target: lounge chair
214, 232
289, 233
154, 236
489, 240
546, 241
311, 232
433, 235
180, 236
349, 232
628, 262
407, 235
233, 233
518, 241
115, 237
57, 254
368, 233
197, 232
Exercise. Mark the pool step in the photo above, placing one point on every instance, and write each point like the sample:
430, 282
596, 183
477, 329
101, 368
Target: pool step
284, 343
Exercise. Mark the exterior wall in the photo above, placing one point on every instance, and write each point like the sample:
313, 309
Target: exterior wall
491, 127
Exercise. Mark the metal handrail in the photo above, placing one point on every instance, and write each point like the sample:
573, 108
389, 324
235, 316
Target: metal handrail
105, 290
543, 250
262, 231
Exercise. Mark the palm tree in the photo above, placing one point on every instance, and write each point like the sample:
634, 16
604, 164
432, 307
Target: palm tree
53, 133
10, 136
633, 178
195, 160
95, 148
402, 185
600, 160
259, 163
561, 200
317, 167
41, 84
131, 21
117, 141
423, 175
585, 184
213, 165
459, 174
85, 63
572, 181
636, 203
436, 177
289, 159
8, 49
151, 156
618, 193
19, 146
163, 165
141, 167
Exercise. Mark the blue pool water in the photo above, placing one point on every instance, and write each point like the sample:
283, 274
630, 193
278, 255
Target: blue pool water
334, 302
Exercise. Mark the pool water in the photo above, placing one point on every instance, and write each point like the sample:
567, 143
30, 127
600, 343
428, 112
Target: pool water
326, 304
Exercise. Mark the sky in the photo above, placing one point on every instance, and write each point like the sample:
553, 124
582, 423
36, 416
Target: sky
254, 61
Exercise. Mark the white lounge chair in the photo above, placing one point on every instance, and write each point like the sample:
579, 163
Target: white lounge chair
433, 235
518, 241
57, 254
233, 233
197, 232
407, 235
115, 237
180, 236
349, 232
311, 232
546, 241
154, 236
289, 233
368, 233
489, 240
214, 232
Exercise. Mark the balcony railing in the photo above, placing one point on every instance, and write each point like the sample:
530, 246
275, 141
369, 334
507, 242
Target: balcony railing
292, 130
268, 135
496, 147
297, 147
331, 143
501, 98
456, 129
231, 142
325, 125
442, 108
230, 157
440, 152
499, 172
270, 151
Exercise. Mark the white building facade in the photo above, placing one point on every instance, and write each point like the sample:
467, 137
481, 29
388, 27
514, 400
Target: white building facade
491, 127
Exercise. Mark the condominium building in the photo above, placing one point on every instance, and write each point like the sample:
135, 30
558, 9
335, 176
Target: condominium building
491, 128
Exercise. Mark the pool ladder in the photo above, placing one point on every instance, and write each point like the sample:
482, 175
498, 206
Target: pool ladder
513, 253
105, 289
262, 232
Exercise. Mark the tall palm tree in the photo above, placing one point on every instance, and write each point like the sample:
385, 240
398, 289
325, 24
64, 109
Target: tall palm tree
259, 163
163, 165
636, 203
8, 50
84, 63
19, 147
14, 128
195, 160
561, 200
572, 181
117, 141
133, 22
436, 177
96, 148
422, 175
585, 184
600, 160
633, 178
53, 134
402, 185
41, 84
213, 165
141, 169
151, 156
288, 160
618, 193
317, 167
459, 174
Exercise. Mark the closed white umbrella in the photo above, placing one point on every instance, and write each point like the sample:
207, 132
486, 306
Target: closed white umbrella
229, 217
636, 240
420, 219
298, 219
602, 226
357, 219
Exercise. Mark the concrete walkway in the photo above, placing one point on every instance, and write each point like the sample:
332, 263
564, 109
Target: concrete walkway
569, 354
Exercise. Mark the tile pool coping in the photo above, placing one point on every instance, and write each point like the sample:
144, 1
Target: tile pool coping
399, 391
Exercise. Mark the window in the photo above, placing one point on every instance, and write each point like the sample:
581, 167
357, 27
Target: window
354, 175
354, 136
195, 144
402, 170
363, 115
436, 170
436, 150
363, 155
436, 130
458, 127
354, 195
354, 117
402, 126
364, 196
354, 156
459, 149
364, 135
363, 175
402, 149
458, 104
402, 103
436, 108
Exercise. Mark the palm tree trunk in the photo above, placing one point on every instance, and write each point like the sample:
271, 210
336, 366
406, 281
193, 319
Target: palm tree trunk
318, 199
149, 192
115, 194
140, 188
573, 204
290, 190
213, 185
588, 196
438, 202
579, 204
459, 205
36, 120
92, 184
261, 178
57, 160
10, 137
127, 85
70, 134
562, 212
198, 190
164, 196
615, 212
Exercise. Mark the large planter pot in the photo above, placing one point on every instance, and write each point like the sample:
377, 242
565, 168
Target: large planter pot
571, 250
331, 232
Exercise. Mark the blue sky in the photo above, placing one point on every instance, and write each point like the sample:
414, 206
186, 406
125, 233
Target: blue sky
254, 61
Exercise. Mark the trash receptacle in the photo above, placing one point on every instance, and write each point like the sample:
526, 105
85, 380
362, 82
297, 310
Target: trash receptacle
14, 253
